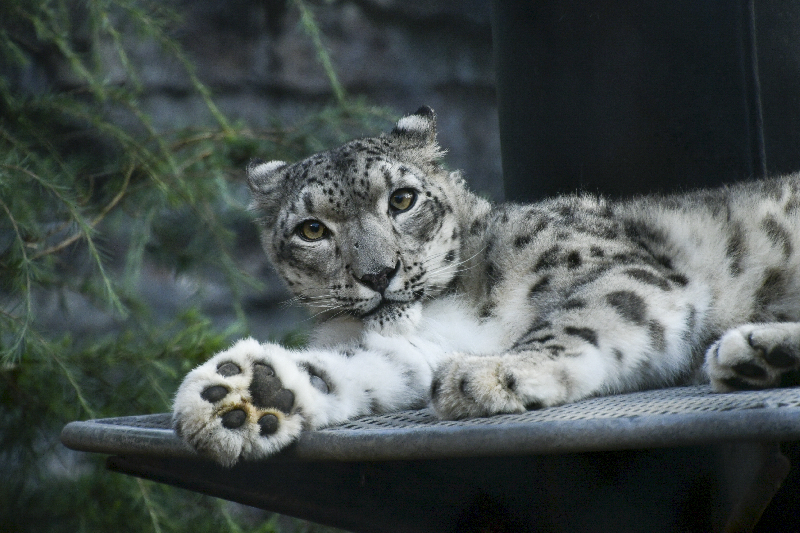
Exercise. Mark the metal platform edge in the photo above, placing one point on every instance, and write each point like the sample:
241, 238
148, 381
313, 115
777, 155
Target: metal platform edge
118, 439
432, 442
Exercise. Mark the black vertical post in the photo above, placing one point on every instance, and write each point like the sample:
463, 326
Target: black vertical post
622, 97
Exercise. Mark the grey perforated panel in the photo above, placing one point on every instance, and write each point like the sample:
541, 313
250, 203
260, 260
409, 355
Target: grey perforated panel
673, 401
680, 416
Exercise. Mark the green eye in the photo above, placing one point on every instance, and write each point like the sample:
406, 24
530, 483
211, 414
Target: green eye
402, 200
312, 230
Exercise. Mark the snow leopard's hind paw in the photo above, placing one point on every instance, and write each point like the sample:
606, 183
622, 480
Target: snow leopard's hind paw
755, 356
245, 402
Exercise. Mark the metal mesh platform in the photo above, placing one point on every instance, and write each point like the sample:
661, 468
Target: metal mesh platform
680, 416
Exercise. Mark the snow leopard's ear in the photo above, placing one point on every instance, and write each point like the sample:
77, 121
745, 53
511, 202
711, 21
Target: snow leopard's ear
419, 127
263, 176
417, 133
267, 184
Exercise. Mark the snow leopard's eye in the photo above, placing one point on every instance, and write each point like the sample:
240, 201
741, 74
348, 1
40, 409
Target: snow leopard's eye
312, 230
402, 200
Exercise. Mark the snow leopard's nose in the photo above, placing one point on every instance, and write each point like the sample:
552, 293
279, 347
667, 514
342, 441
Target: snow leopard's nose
380, 280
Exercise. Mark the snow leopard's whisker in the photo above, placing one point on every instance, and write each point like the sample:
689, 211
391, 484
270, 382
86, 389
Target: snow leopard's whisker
299, 301
289, 302
318, 299
330, 303
437, 256
319, 293
325, 302
454, 269
457, 268
442, 268
309, 296
328, 310
315, 298
337, 314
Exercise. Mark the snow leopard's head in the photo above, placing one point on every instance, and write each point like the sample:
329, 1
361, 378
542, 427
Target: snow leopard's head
367, 229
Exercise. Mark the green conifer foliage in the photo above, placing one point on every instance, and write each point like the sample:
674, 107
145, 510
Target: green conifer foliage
86, 199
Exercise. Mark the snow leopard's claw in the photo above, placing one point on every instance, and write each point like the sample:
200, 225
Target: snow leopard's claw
755, 356
475, 386
242, 403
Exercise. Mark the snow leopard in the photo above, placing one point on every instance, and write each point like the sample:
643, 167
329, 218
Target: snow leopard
426, 294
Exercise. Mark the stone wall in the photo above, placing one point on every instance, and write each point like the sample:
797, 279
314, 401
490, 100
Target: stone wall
261, 65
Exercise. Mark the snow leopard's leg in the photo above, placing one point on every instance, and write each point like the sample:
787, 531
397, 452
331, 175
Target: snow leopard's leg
252, 400
755, 356
629, 330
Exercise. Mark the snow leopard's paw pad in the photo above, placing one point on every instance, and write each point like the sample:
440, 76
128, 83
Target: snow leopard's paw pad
755, 356
470, 386
246, 402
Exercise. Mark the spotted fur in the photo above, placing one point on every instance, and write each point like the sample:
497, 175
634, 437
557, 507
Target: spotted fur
426, 293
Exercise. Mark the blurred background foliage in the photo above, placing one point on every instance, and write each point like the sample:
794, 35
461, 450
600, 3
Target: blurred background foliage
89, 191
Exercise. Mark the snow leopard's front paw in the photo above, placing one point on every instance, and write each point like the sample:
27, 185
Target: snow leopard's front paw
246, 402
755, 356
471, 386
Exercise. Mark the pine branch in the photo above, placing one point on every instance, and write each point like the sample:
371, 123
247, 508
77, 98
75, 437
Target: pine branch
312, 30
